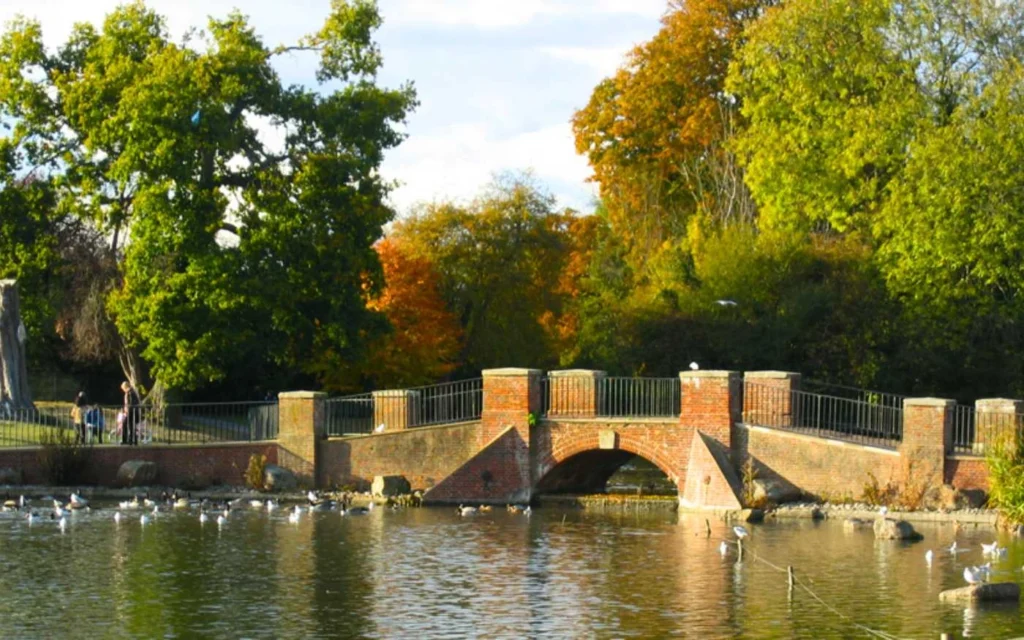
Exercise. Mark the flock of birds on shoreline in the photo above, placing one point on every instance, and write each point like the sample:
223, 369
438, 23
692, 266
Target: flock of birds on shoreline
218, 512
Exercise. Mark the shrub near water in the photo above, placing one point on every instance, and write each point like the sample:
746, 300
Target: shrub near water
254, 473
1006, 477
63, 459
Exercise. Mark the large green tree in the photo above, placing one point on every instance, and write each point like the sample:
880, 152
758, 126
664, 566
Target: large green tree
228, 245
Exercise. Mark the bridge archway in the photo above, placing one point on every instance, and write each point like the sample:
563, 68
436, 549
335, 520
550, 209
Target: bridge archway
599, 471
576, 462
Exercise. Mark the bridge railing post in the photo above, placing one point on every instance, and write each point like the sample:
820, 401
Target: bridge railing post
395, 409
768, 397
711, 402
574, 393
927, 435
995, 419
300, 430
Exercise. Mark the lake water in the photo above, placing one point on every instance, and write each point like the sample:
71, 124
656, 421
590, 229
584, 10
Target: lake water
428, 573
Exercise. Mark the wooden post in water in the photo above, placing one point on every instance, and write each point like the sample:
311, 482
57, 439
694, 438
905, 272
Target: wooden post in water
792, 578
707, 527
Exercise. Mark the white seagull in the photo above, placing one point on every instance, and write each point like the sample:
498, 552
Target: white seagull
63, 524
379, 428
77, 502
928, 555
117, 517
725, 303
203, 517
221, 520
694, 366
741, 532
293, 517
723, 548
974, 575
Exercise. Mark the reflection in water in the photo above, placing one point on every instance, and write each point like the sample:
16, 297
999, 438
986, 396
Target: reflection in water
426, 573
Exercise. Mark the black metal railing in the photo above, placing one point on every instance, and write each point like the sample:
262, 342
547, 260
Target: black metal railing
974, 433
862, 421
870, 396
161, 424
447, 402
395, 409
610, 397
349, 415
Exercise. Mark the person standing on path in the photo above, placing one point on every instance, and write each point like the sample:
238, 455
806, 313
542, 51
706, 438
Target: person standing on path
78, 417
129, 431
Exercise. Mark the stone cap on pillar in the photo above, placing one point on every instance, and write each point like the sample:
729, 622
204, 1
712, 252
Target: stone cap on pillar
928, 402
395, 393
998, 405
701, 373
301, 395
510, 372
577, 373
775, 375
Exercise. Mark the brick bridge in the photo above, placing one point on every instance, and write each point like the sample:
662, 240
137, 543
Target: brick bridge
516, 433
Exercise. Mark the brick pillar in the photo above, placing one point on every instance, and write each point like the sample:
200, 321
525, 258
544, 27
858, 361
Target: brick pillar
767, 397
395, 409
927, 435
994, 419
510, 396
711, 402
300, 431
573, 393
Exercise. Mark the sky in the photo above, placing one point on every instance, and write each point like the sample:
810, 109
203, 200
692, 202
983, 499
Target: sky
498, 80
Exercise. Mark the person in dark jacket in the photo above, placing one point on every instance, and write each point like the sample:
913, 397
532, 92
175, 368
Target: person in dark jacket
131, 409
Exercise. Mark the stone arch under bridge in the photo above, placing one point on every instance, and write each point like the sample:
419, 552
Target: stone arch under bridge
578, 457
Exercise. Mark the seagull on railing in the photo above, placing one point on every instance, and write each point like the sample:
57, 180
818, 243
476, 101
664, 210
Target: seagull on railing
694, 366
379, 428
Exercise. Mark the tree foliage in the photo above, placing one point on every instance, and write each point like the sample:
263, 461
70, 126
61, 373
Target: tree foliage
231, 243
651, 131
425, 338
499, 260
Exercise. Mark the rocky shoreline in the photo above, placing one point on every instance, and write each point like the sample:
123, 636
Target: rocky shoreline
825, 510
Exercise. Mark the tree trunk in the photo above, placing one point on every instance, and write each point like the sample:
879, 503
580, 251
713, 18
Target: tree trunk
14, 389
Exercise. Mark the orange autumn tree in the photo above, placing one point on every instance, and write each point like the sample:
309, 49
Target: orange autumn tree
653, 132
425, 337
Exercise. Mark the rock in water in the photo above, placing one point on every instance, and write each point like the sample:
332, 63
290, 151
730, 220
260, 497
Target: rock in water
277, 478
888, 529
387, 486
992, 592
136, 473
854, 524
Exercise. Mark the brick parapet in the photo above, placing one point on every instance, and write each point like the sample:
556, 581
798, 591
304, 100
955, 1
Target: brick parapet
994, 419
301, 428
395, 409
927, 436
711, 402
574, 393
768, 397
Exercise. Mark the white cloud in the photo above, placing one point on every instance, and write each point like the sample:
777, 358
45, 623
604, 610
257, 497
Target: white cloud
457, 161
603, 60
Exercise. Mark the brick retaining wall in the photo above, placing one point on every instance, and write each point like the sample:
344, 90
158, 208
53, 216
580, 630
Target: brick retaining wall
425, 456
176, 464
